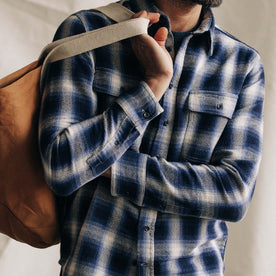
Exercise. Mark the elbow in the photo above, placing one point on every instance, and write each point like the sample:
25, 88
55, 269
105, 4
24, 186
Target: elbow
235, 213
60, 181
60, 187
237, 209
237, 199
57, 164
59, 176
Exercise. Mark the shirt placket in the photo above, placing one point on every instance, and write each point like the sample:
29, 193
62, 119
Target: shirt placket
145, 242
165, 130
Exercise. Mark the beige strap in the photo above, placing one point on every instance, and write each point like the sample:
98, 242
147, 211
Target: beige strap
116, 11
84, 42
98, 38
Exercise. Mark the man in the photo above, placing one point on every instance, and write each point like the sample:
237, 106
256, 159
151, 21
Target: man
152, 144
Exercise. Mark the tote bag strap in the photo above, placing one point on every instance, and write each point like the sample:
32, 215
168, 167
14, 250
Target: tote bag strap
116, 11
78, 44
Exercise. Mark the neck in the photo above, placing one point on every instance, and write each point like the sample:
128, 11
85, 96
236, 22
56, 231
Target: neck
184, 15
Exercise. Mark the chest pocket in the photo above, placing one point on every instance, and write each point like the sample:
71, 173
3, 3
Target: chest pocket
208, 114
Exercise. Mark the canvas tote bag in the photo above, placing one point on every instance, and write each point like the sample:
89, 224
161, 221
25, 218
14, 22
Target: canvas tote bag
27, 205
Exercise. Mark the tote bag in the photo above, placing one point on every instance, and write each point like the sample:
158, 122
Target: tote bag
27, 205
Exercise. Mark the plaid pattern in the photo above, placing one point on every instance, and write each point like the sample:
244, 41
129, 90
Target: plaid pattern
181, 167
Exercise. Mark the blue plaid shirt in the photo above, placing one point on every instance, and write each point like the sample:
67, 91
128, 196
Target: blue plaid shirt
181, 167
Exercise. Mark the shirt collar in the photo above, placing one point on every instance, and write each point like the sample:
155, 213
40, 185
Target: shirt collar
206, 28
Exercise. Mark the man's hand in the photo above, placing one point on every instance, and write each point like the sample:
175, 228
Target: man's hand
153, 56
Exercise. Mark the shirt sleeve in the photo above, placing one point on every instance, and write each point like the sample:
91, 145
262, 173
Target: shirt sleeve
77, 144
221, 189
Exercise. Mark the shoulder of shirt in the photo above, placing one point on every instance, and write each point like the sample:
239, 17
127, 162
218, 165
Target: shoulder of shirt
242, 45
82, 21
92, 16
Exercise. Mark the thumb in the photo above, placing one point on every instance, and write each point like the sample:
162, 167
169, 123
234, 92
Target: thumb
161, 36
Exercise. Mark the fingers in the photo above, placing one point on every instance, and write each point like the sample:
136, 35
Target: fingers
162, 33
153, 56
161, 36
152, 16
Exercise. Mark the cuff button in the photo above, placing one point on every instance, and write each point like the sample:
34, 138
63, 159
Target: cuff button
146, 115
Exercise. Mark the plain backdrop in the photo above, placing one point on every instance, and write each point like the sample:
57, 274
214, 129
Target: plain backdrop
26, 26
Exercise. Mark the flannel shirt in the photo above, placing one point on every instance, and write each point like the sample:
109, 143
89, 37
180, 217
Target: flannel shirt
181, 167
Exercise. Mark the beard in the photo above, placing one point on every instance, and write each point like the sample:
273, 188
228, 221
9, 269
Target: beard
208, 3
204, 3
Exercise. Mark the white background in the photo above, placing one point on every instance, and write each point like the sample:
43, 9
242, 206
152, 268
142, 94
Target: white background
26, 26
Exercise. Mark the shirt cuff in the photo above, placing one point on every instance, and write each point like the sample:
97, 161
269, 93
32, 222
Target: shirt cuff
141, 106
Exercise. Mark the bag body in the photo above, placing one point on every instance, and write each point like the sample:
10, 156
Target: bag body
27, 205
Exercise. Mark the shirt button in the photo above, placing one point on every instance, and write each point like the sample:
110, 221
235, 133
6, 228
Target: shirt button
166, 123
219, 106
146, 115
171, 85
117, 142
146, 228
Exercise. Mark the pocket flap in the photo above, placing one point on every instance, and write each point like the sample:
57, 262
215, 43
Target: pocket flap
216, 103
